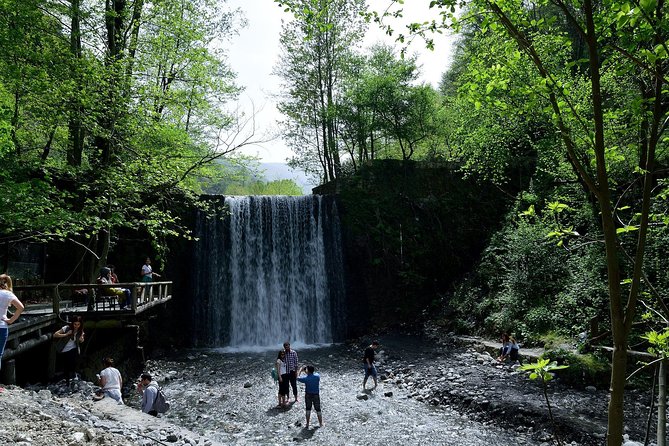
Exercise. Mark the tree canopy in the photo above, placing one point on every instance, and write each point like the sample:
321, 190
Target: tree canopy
109, 112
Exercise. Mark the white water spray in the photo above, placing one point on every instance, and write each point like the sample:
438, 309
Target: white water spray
272, 262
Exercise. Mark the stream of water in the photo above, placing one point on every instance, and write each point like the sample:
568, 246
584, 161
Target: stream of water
268, 268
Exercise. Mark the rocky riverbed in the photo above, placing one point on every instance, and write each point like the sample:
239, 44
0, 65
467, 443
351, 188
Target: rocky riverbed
432, 391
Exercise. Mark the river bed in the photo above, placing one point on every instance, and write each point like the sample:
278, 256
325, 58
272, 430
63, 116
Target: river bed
230, 397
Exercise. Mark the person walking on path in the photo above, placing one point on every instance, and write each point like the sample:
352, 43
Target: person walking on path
149, 390
284, 378
291, 366
368, 360
312, 395
111, 380
70, 351
7, 299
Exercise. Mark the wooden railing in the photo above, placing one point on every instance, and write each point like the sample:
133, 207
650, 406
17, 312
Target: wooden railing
55, 298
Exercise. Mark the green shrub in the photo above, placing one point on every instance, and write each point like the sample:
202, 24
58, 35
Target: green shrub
584, 369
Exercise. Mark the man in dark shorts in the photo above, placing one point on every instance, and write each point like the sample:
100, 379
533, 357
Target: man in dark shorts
368, 360
311, 392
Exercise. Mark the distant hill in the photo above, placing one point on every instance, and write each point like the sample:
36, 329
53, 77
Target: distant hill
281, 171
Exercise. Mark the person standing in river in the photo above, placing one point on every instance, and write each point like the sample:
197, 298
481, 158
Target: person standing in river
368, 360
291, 366
312, 396
7, 299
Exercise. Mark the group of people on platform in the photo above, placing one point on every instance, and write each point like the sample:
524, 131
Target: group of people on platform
108, 277
289, 373
71, 336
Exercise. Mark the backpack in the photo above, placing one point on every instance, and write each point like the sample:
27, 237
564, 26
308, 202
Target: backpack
160, 404
275, 377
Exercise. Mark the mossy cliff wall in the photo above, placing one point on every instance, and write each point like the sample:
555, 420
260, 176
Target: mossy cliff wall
410, 230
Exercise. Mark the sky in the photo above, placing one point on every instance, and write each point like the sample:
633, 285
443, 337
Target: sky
255, 51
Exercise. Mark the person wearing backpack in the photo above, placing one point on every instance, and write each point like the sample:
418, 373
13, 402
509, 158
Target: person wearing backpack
149, 390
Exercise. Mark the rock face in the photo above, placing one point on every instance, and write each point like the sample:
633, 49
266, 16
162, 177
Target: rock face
39, 418
468, 379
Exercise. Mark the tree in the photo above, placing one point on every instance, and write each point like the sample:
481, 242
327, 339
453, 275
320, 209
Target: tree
113, 111
621, 40
317, 52
383, 112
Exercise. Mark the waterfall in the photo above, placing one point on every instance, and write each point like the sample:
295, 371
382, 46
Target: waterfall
268, 269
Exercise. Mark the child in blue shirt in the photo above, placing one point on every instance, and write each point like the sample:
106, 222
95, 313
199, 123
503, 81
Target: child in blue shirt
311, 392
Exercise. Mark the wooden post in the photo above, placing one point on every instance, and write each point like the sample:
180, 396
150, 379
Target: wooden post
662, 404
135, 296
55, 300
51, 367
134, 303
9, 372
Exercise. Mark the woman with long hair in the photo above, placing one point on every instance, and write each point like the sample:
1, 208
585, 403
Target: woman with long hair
74, 332
7, 299
284, 378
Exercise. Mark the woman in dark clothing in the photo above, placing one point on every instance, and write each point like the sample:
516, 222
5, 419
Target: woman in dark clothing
74, 332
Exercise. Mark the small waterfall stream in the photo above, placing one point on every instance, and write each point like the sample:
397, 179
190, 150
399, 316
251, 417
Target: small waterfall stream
268, 269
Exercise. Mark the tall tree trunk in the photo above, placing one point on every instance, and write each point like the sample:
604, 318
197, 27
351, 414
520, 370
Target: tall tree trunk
76, 137
662, 404
114, 15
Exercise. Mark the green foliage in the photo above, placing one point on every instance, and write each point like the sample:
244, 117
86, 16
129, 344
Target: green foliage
276, 187
584, 369
100, 133
318, 54
542, 369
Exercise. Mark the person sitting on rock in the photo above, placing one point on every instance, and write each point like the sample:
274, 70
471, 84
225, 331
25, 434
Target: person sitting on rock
504, 349
509, 350
111, 381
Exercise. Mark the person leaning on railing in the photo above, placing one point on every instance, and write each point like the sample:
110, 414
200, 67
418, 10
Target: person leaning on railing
147, 271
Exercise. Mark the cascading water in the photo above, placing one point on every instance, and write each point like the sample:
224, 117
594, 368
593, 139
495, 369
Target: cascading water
268, 269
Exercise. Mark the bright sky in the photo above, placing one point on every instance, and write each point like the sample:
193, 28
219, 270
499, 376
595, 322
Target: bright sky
254, 53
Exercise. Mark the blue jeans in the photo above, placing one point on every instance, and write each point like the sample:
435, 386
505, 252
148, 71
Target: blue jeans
370, 371
4, 333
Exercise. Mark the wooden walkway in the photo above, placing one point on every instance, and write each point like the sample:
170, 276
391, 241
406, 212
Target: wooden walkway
48, 305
